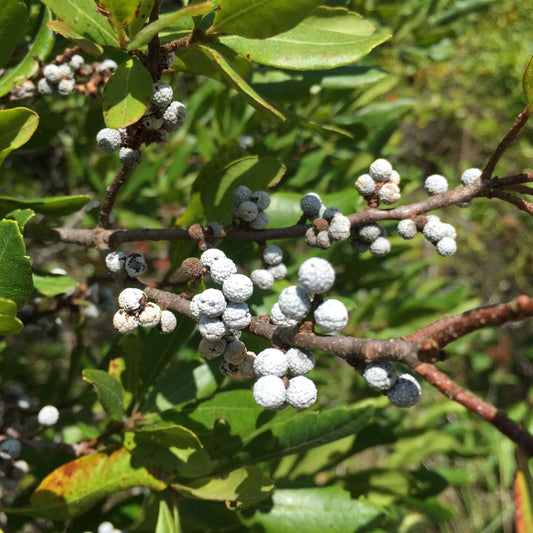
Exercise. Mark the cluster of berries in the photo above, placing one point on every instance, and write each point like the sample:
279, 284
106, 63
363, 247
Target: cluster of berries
223, 313
438, 233
274, 270
402, 390
250, 206
381, 184
61, 78
164, 114
329, 224
135, 311
316, 276
273, 390
371, 237
132, 265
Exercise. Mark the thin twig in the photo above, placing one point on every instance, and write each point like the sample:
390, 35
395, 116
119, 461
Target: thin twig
520, 121
488, 412
110, 196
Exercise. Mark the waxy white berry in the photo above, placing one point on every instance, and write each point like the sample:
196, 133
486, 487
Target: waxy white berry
222, 269
76, 62
436, 184
331, 315
380, 376
168, 321
316, 275
237, 316
271, 361
407, 229
300, 361
340, 228
115, 261
279, 271
163, 94
125, 322
262, 278
270, 392
150, 316
175, 115
131, 299
380, 170
108, 140
470, 175
272, 255
446, 247
238, 288
48, 415
52, 74
210, 256
435, 230
389, 194
365, 185
406, 392
369, 232
380, 247
301, 392
211, 303
279, 319
211, 328
294, 302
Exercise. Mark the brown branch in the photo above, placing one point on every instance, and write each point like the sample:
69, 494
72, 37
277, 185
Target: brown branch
520, 122
522, 204
450, 328
110, 196
82, 448
488, 412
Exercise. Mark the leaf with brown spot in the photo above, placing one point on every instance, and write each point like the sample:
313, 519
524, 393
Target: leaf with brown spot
75, 487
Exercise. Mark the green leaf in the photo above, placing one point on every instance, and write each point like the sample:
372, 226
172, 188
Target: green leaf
304, 432
527, 85
216, 185
39, 50
192, 60
166, 21
12, 25
85, 44
258, 19
244, 487
16, 128
21, 217
235, 429
186, 382
169, 449
233, 79
127, 94
310, 510
141, 16
9, 323
48, 284
122, 10
83, 17
15, 268
75, 487
329, 38
166, 521
108, 390
60, 205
